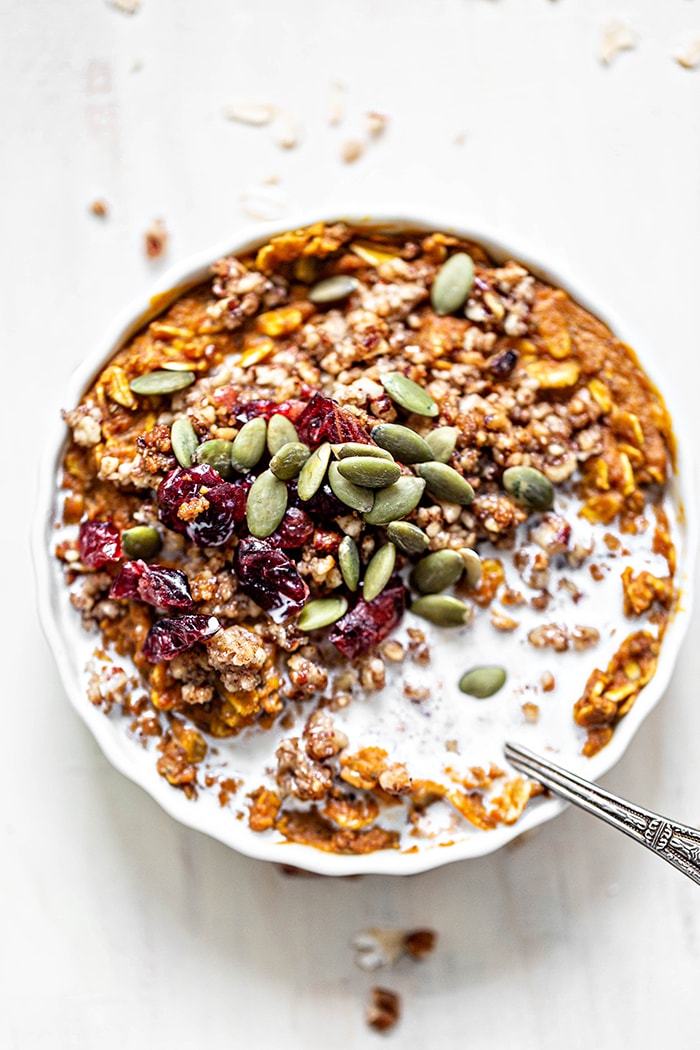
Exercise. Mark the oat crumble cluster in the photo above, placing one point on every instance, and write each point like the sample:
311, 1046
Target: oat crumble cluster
333, 430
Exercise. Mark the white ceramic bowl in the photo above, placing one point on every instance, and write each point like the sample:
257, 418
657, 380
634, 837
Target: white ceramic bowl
68, 641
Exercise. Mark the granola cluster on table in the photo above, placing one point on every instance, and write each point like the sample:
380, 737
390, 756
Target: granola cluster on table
289, 487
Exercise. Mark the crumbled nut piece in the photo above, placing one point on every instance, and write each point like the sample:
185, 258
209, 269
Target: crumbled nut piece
502, 622
352, 151
531, 712
584, 638
299, 774
155, 239
393, 651
321, 738
238, 655
100, 208
265, 806
395, 779
617, 37
689, 56
547, 681
415, 693
376, 124
420, 943
373, 673
549, 636
306, 677
384, 1009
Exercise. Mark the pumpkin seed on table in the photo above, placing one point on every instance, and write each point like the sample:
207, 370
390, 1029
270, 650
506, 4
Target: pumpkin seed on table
402, 442
445, 483
321, 612
396, 501
529, 487
183, 440
215, 453
442, 442
161, 381
437, 571
472, 566
408, 395
267, 503
357, 497
280, 431
482, 682
333, 289
349, 562
378, 572
453, 283
369, 472
407, 537
249, 445
313, 472
443, 610
356, 448
142, 541
287, 463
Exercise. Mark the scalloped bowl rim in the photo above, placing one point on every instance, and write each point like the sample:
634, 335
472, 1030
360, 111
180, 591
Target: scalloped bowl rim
235, 833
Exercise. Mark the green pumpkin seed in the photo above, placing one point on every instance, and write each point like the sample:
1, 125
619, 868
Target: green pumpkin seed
443, 610
482, 682
403, 443
437, 571
280, 432
217, 454
407, 394
396, 501
445, 483
407, 537
356, 448
287, 463
267, 502
143, 541
472, 566
321, 612
333, 289
441, 442
378, 572
529, 487
355, 496
184, 441
452, 284
161, 382
349, 562
249, 445
313, 472
369, 472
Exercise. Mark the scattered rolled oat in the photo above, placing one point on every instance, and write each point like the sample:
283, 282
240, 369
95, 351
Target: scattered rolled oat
156, 239
286, 131
127, 7
336, 104
376, 124
254, 114
689, 57
460, 138
384, 1009
616, 37
352, 151
100, 208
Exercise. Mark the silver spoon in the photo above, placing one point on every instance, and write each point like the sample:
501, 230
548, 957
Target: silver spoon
674, 842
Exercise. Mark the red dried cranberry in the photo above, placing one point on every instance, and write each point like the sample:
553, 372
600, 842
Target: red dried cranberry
294, 530
325, 541
155, 584
214, 525
368, 623
323, 505
242, 411
270, 578
324, 420
99, 542
176, 634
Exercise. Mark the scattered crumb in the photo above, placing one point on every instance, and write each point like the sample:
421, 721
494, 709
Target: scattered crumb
254, 114
136, 65
383, 1010
531, 712
460, 138
271, 180
384, 946
452, 745
376, 124
336, 104
616, 37
352, 151
156, 239
100, 208
127, 7
547, 681
689, 57
264, 202
419, 943
286, 131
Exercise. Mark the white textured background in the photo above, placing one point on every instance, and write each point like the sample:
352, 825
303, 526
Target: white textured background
119, 929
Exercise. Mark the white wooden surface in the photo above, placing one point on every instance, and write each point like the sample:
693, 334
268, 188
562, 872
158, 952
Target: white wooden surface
119, 928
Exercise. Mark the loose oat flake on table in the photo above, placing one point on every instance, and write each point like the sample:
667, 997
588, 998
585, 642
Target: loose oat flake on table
346, 503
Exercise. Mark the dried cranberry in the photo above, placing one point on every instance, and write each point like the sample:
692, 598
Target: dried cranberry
325, 541
176, 634
155, 584
324, 505
99, 542
242, 411
215, 524
368, 623
324, 420
270, 578
294, 530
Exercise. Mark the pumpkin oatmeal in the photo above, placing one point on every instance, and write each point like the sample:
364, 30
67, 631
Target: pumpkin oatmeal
347, 510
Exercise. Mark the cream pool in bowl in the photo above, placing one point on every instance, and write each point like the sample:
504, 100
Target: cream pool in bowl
339, 508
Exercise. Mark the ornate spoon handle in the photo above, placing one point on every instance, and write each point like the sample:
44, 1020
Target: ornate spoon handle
676, 843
